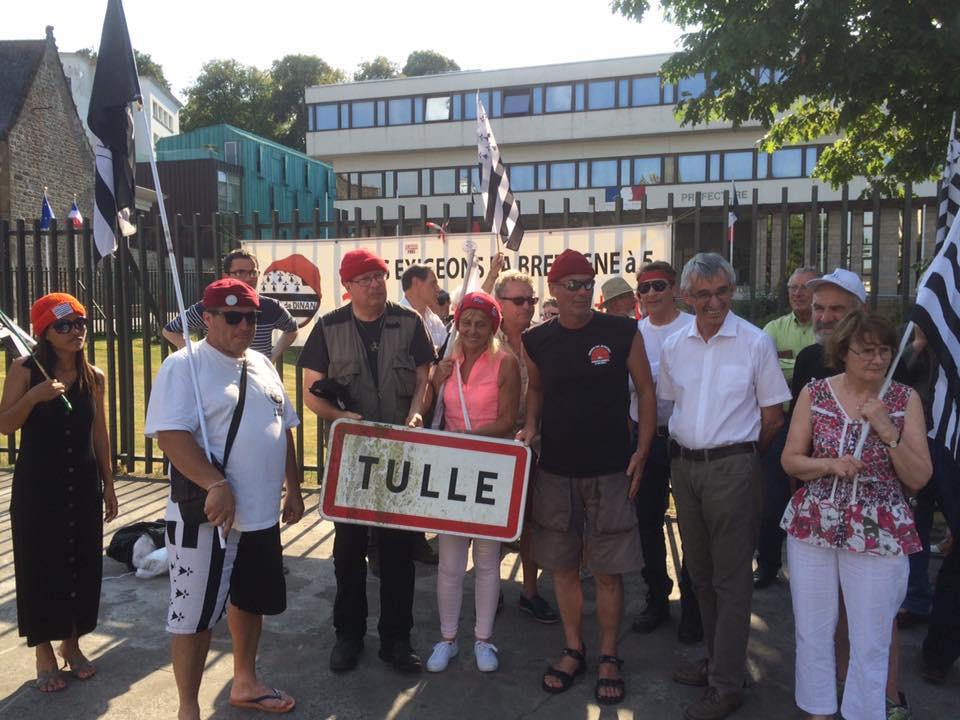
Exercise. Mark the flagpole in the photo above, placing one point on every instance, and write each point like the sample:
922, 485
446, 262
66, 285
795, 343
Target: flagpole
14, 328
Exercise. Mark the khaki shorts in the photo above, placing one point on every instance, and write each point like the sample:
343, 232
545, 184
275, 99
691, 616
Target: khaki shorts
585, 518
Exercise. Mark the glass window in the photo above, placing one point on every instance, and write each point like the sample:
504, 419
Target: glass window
646, 91
495, 101
762, 162
787, 163
810, 159
602, 94
438, 108
418, 110
559, 98
445, 181
400, 111
408, 183
326, 117
516, 103
537, 100
371, 185
692, 168
579, 90
388, 185
381, 113
714, 167
362, 114
475, 177
738, 165
693, 86
582, 174
521, 178
668, 94
457, 106
646, 171
345, 115
623, 93
343, 185
563, 175
670, 169
603, 173
625, 172
470, 105
542, 176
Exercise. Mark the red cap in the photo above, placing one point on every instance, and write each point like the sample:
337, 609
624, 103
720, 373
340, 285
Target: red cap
360, 261
482, 302
50, 308
569, 262
231, 293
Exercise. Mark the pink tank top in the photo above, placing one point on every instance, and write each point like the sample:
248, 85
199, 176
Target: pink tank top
480, 392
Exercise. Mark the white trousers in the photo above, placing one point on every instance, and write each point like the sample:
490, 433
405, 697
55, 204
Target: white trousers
873, 588
486, 584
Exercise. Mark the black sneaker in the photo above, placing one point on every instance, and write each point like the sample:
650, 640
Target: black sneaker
539, 609
345, 654
402, 657
653, 616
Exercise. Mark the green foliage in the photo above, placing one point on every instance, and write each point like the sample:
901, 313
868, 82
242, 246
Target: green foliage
428, 62
290, 75
882, 74
380, 68
146, 65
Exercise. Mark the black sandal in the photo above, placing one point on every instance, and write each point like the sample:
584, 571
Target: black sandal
616, 683
566, 679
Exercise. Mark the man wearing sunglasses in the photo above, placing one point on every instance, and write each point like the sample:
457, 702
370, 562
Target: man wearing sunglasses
242, 265
589, 472
243, 501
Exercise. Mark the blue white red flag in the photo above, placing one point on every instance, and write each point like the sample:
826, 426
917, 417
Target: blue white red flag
76, 219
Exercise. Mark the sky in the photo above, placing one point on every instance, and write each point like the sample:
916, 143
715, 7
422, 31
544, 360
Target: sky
183, 34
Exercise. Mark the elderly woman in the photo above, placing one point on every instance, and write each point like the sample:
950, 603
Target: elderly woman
480, 398
62, 487
849, 526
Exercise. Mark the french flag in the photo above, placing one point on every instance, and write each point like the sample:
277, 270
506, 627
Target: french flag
76, 219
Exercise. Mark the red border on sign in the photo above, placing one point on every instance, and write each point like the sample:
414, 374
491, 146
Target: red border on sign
333, 511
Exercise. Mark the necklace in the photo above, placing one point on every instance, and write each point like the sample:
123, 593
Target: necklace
371, 338
859, 400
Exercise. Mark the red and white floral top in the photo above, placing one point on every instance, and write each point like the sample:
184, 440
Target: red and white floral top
868, 514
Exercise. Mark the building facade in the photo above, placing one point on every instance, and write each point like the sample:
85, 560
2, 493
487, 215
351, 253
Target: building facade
577, 136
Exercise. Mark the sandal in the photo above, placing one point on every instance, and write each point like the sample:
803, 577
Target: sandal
566, 679
79, 667
616, 683
50, 681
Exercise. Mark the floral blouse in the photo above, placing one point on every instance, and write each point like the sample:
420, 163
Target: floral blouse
868, 514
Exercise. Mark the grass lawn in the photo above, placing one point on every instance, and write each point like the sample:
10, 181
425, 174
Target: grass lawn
289, 373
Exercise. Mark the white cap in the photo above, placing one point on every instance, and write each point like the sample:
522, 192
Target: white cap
843, 279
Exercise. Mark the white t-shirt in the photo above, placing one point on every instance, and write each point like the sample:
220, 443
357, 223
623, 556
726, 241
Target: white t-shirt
719, 386
435, 327
258, 456
653, 339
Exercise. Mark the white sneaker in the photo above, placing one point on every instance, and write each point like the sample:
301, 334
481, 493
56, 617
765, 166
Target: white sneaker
443, 652
486, 654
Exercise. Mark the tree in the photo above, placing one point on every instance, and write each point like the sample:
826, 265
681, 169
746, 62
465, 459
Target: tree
428, 62
229, 92
146, 65
291, 75
380, 68
881, 75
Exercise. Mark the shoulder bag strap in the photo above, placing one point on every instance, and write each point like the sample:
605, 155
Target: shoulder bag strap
237, 414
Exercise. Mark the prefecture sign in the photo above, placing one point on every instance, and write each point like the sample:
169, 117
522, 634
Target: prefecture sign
418, 479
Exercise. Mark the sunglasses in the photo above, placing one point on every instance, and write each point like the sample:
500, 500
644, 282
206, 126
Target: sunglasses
574, 285
520, 301
658, 285
233, 317
62, 327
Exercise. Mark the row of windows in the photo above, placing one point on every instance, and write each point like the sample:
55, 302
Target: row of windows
162, 116
729, 165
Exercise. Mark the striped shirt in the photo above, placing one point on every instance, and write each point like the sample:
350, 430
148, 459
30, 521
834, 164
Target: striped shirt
274, 317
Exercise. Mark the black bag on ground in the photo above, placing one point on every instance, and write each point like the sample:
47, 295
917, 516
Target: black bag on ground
123, 540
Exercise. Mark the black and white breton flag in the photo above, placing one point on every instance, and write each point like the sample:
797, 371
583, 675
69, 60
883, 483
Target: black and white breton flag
13, 337
502, 210
949, 199
937, 313
115, 86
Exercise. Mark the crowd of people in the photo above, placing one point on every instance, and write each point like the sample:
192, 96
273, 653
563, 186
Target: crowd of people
790, 432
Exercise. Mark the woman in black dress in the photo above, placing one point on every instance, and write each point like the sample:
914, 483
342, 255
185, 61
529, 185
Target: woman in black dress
62, 488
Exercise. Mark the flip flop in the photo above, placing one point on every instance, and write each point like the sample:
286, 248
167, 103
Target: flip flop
46, 681
79, 667
257, 703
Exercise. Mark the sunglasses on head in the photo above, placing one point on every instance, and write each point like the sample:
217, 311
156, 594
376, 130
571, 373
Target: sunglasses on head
233, 317
574, 285
520, 301
62, 327
658, 285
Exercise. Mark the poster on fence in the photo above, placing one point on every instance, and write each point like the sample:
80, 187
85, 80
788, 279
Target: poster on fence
302, 274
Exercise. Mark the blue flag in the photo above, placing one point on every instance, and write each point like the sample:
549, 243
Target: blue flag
46, 213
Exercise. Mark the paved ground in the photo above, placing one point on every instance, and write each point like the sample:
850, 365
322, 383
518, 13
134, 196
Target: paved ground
135, 678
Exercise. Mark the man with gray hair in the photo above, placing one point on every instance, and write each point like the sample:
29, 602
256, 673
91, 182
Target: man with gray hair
724, 380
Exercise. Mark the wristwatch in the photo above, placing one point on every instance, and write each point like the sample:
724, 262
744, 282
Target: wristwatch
893, 444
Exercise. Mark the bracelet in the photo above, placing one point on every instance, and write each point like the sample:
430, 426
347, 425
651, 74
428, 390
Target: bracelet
217, 484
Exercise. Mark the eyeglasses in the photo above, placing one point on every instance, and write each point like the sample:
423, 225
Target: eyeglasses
722, 293
243, 273
233, 317
519, 301
367, 280
62, 327
884, 352
658, 285
574, 285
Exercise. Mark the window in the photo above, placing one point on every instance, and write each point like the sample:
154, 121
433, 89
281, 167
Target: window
738, 165
646, 171
345, 115
388, 185
787, 163
361, 114
522, 178
563, 175
714, 167
457, 106
668, 95
601, 95
537, 100
559, 98
418, 110
646, 91
228, 192
325, 117
810, 158
692, 87
231, 151
306, 176
445, 181
283, 169
582, 174
542, 176
408, 183
623, 93
259, 160
516, 102
495, 102
763, 163
692, 168
400, 111
603, 173
579, 90
371, 185
381, 113
625, 173
426, 187
438, 108
470, 105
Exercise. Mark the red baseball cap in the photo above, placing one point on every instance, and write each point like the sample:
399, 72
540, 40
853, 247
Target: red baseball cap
230, 292
48, 309
359, 261
482, 302
570, 262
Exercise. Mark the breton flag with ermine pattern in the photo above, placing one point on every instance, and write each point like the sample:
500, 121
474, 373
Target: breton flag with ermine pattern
949, 203
937, 313
115, 86
502, 210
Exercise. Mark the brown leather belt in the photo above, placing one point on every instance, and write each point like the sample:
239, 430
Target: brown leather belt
677, 450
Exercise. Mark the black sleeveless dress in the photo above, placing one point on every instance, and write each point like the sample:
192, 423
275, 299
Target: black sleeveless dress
57, 519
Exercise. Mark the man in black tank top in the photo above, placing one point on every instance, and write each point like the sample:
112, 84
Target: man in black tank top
578, 401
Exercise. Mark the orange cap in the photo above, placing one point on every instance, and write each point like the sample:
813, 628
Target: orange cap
50, 308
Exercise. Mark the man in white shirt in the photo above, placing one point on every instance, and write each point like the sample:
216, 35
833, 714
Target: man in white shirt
420, 291
725, 382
